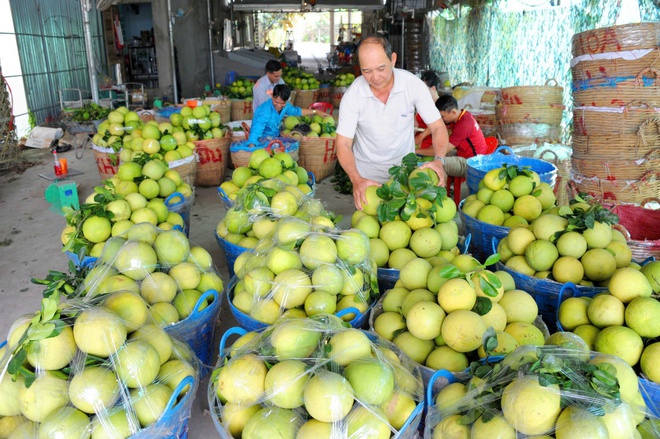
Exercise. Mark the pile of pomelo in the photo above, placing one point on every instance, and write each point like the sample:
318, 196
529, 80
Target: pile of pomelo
574, 244
438, 312
120, 122
301, 272
306, 126
409, 216
299, 79
624, 321
314, 378
344, 80
136, 194
264, 165
550, 391
81, 371
160, 266
510, 196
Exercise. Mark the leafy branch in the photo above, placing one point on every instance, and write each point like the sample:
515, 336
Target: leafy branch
581, 219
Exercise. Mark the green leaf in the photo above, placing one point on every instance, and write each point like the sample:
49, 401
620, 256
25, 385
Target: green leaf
48, 308
40, 331
482, 306
492, 260
450, 272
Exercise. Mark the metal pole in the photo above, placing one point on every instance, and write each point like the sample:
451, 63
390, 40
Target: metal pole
91, 68
403, 38
172, 60
208, 11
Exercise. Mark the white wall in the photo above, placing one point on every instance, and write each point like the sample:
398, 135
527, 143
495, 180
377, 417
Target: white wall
11, 69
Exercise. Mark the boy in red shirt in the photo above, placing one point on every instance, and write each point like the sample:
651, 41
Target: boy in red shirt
465, 136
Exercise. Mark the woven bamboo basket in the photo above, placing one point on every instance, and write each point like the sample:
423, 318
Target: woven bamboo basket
606, 120
241, 109
305, 98
617, 38
107, 161
325, 94
528, 133
318, 155
213, 160
224, 109
337, 95
620, 146
533, 94
588, 67
527, 113
187, 168
606, 168
618, 91
633, 191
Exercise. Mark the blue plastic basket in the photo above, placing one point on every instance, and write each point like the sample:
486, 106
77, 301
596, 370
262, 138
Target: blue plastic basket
198, 328
176, 202
482, 234
287, 144
229, 203
387, 277
409, 430
232, 251
247, 322
478, 166
166, 112
651, 393
87, 260
173, 423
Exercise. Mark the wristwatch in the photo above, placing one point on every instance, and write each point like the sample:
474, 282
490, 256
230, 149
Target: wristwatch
314, 111
442, 159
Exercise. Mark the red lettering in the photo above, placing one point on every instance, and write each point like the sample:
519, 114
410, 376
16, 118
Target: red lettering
330, 152
208, 155
105, 166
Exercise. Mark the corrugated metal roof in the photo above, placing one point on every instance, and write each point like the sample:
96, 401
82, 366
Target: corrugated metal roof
51, 44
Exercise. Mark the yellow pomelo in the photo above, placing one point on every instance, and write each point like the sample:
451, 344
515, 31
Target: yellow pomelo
506, 343
571, 244
528, 207
389, 323
643, 316
519, 264
530, 408
414, 273
519, 306
521, 185
541, 254
599, 236
620, 341
493, 180
444, 357
496, 317
450, 395
627, 284
480, 280
373, 200
396, 234
519, 238
495, 427
451, 427
587, 333
456, 294
472, 208
545, 226
574, 422
573, 313
424, 320
622, 253
491, 214
606, 310
418, 350
463, 330
502, 199
400, 257
599, 264
650, 362
525, 333
567, 269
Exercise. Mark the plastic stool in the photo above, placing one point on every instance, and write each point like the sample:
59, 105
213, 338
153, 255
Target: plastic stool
456, 182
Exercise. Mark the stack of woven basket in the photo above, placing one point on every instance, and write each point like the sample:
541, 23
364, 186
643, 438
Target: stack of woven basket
529, 115
616, 91
480, 101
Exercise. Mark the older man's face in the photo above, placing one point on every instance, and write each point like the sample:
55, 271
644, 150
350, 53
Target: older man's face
376, 67
274, 77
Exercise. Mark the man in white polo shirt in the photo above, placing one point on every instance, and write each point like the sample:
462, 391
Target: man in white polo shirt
377, 119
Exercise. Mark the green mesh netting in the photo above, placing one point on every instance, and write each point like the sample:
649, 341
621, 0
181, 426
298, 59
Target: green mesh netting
495, 48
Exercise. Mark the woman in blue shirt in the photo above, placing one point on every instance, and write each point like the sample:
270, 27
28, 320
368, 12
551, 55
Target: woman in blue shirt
269, 115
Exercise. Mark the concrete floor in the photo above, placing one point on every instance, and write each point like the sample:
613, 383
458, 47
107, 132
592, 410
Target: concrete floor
30, 243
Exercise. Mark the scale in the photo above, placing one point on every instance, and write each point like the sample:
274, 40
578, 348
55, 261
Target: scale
60, 194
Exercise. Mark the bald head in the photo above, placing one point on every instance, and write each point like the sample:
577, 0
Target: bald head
369, 42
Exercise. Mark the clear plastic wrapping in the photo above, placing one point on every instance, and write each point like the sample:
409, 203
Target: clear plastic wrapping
552, 390
80, 370
299, 271
314, 378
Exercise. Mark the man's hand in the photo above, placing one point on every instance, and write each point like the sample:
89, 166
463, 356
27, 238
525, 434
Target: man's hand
439, 168
360, 186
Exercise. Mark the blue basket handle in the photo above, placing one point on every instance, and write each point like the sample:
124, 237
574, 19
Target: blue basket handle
3, 344
187, 381
343, 312
505, 149
647, 260
312, 179
495, 242
231, 331
173, 196
429, 388
177, 227
564, 288
203, 299
466, 243
413, 415
223, 195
